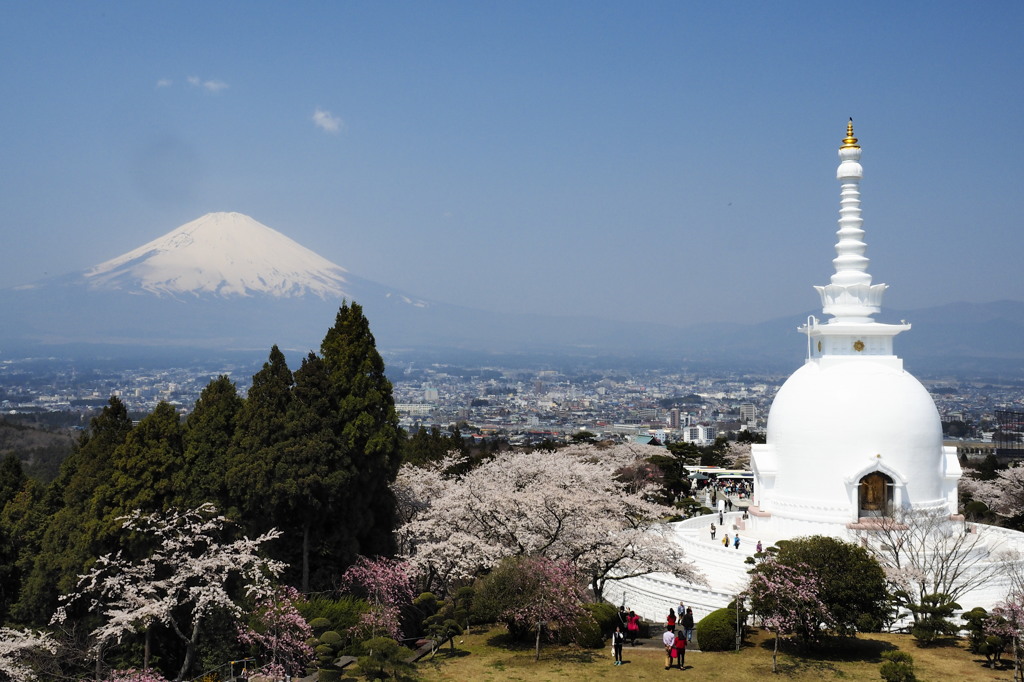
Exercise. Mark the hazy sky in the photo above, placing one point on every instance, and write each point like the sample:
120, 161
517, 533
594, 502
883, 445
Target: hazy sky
669, 161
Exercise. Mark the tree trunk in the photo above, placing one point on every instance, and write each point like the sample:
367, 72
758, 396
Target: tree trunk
190, 652
146, 651
775, 654
99, 662
539, 626
305, 557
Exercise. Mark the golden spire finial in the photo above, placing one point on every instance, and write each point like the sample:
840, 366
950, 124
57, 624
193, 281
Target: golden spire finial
850, 142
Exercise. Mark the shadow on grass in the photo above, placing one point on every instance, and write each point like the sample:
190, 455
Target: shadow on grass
940, 643
1001, 665
552, 651
829, 649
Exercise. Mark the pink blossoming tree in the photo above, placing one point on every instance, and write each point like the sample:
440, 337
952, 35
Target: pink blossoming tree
387, 586
787, 598
278, 634
1007, 621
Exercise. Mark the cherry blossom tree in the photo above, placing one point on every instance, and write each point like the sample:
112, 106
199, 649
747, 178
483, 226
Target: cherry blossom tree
387, 586
279, 634
1004, 495
17, 648
788, 599
133, 675
533, 594
564, 505
181, 582
1007, 621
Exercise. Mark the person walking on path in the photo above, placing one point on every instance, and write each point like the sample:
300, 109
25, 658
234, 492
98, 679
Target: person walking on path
669, 640
632, 627
679, 649
671, 620
725, 541
736, 541
712, 531
618, 637
687, 623
759, 548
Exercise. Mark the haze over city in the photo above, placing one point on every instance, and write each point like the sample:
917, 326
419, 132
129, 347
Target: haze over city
662, 162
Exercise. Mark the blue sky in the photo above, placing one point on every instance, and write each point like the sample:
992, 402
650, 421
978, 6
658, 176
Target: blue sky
653, 161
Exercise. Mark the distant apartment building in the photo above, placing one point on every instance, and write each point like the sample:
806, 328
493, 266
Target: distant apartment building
700, 434
748, 413
413, 409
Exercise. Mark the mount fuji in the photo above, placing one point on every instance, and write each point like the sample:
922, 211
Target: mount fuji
221, 281
225, 282
221, 254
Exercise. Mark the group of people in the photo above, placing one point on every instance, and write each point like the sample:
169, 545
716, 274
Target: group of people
734, 541
675, 641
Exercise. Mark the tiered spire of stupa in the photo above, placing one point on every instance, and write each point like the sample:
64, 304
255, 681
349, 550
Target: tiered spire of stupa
850, 298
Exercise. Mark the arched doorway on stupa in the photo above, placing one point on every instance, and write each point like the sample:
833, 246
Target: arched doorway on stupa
875, 495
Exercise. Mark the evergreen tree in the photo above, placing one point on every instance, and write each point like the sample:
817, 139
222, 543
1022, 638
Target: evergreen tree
262, 427
209, 431
56, 551
367, 427
146, 466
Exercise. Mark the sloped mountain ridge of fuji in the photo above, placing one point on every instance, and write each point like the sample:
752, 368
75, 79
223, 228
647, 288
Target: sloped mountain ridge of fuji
223, 254
226, 282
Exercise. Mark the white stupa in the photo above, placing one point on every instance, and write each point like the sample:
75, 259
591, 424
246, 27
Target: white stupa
851, 437
851, 433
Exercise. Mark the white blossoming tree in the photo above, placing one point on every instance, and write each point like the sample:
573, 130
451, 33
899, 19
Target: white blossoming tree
1004, 494
16, 646
564, 505
179, 584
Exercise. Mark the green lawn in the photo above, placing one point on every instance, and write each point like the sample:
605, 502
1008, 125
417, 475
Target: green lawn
490, 656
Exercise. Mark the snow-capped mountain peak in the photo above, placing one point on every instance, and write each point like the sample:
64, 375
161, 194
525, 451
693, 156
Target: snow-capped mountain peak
221, 254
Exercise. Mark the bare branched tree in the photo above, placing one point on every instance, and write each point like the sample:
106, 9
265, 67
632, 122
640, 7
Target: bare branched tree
927, 553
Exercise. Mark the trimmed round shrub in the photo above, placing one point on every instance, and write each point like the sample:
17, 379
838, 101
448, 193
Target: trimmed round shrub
605, 615
588, 633
898, 667
319, 624
717, 631
332, 638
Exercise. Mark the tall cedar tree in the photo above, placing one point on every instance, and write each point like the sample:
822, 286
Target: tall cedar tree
253, 472
146, 466
209, 431
315, 452
70, 536
367, 426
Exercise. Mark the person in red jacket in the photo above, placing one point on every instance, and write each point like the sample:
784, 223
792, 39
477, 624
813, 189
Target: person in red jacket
679, 650
632, 627
671, 620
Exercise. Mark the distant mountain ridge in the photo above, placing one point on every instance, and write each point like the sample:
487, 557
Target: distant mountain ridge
227, 282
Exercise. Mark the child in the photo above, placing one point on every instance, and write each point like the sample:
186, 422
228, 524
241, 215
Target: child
617, 639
